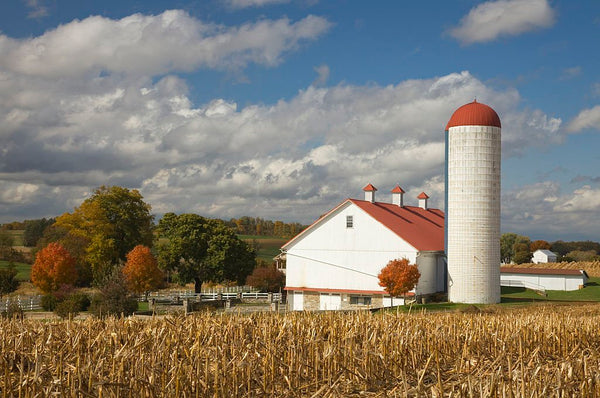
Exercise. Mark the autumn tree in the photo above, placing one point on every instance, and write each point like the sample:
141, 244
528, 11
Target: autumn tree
53, 267
399, 277
112, 222
266, 278
141, 271
200, 249
539, 245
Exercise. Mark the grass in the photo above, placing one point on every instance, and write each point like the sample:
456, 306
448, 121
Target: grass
268, 246
23, 270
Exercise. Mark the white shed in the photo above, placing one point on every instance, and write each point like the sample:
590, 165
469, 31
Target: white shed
543, 278
543, 256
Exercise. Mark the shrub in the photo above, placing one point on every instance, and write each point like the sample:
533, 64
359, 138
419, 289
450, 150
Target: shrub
66, 308
49, 302
114, 298
12, 310
8, 281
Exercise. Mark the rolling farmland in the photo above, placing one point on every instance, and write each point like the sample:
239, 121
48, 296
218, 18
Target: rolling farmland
534, 351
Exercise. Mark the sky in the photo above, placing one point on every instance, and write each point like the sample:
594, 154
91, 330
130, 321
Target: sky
281, 109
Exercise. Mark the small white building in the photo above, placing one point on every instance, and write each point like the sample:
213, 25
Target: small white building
543, 256
543, 278
334, 263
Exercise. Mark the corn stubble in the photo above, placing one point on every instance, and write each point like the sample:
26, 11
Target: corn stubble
534, 352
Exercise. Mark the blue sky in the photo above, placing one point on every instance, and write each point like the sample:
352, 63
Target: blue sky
281, 109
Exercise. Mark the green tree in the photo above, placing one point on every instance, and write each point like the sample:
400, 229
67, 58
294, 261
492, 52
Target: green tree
507, 241
34, 230
8, 279
201, 249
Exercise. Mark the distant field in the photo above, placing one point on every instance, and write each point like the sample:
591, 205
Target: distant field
268, 246
24, 270
17, 235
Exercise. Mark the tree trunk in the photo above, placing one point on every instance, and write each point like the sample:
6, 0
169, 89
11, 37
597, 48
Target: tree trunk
197, 285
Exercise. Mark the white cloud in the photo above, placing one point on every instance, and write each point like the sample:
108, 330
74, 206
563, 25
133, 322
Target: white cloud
151, 45
322, 75
542, 211
239, 4
587, 118
493, 19
570, 73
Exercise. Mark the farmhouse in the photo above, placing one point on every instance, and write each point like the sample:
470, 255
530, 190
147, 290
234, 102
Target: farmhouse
334, 263
543, 256
543, 278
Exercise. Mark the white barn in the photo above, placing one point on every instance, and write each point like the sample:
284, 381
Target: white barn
543, 256
543, 278
334, 263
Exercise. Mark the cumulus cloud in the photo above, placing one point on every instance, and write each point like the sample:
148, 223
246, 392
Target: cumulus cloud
493, 19
543, 211
587, 118
289, 160
154, 44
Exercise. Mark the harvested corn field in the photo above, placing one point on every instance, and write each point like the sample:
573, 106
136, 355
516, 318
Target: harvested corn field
537, 351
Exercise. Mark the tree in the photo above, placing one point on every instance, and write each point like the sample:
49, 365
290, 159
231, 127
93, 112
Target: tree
141, 271
112, 221
507, 242
399, 277
266, 278
8, 281
201, 249
539, 245
34, 230
53, 267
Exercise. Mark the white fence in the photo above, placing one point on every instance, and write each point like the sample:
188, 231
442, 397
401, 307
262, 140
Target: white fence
26, 303
189, 294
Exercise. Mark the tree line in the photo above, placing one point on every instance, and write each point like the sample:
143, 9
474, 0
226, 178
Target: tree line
519, 249
259, 226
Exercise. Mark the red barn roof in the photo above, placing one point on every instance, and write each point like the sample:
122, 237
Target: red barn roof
397, 189
474, 114
369, 187
422, 195
422, 229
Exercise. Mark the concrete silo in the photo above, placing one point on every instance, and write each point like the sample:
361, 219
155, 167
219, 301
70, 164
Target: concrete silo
473, 204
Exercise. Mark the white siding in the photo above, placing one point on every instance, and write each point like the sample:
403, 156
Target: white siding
548, 282
297, 301
331, 256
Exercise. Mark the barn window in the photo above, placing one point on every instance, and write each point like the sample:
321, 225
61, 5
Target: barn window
349, 222
360, 300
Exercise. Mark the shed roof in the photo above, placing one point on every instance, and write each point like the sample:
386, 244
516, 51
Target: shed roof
542, 271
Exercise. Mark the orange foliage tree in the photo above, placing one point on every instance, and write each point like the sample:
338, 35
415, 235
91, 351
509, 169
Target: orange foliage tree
539, 244
141, 270
399, 277
53, 267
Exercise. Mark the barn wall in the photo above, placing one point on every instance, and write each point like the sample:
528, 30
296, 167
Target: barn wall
332, 256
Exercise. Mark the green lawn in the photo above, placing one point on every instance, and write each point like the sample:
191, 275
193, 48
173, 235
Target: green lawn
268, 246
23, 270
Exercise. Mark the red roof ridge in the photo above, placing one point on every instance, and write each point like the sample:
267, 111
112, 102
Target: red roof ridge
369, 187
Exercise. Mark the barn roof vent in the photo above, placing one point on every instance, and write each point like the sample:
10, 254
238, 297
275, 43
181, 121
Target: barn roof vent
423, 200
398, 196
370, 193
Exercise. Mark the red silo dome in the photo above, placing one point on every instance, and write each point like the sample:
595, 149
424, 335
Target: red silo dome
474, 114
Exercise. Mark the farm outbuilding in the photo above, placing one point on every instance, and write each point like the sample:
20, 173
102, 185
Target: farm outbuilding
543, 278
543, 256
334, 263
